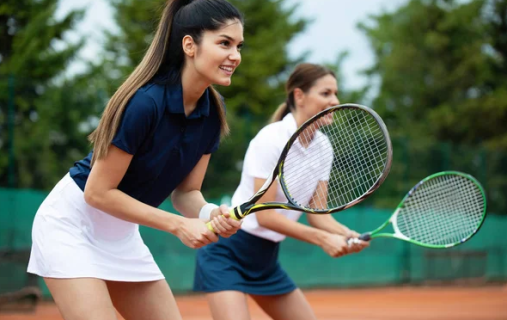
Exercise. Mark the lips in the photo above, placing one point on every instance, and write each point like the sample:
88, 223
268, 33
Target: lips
227, 69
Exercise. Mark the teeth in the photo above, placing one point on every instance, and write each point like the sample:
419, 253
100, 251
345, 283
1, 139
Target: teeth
228, 69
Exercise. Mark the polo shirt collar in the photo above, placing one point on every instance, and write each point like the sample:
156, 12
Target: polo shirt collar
289, 123
174, 94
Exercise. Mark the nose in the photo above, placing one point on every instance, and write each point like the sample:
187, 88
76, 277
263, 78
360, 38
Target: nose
335, 101
235, 56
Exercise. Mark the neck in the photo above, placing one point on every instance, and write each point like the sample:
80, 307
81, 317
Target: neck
306, 137
299, 118
193, 88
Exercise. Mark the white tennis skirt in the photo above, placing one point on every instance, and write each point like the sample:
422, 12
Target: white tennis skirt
71, 239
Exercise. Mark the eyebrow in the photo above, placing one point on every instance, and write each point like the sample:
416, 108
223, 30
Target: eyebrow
230, 38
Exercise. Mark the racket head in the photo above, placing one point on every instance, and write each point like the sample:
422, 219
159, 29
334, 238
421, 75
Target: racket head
349, 146
442, 211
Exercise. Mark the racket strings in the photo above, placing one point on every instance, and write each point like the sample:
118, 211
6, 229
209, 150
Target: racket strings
432, 224
342, 196
442, 211
347, 148
349, 193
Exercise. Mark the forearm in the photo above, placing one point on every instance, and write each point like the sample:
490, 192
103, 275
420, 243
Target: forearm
123, 206
279, 223
188, 203
328, 224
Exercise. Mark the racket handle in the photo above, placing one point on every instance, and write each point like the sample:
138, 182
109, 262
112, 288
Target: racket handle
364, 237
231, 214
210, 227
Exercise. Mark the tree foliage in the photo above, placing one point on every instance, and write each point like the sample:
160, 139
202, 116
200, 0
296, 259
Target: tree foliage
33, 58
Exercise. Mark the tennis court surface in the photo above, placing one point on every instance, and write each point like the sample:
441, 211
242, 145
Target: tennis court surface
410, 303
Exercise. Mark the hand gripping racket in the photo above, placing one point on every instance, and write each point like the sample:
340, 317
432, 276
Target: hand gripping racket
348, 144
442, 211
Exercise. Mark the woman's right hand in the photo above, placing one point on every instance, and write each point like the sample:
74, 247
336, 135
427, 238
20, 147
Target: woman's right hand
334, 245
222, 222
194, 233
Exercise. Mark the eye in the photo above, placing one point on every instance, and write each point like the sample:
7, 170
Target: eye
240, 46
225, 43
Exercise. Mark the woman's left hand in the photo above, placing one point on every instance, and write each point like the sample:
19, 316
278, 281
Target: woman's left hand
222, 222
356, 246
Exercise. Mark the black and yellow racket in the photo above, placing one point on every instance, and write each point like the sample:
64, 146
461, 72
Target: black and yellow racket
441, 211
348, 144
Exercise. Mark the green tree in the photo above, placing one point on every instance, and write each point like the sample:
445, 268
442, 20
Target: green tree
441, 66
35, 55
345, 94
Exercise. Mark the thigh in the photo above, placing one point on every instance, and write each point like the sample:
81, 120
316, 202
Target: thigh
228, 305
152, 300
290, 306
82, 298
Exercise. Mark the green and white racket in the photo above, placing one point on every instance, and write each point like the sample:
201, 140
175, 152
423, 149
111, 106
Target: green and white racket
442, 211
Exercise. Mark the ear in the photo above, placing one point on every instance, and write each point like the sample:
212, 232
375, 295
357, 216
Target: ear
189, 46
299, 97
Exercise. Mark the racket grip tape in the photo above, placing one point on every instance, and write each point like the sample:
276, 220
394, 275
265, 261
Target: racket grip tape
364, 237
233, 215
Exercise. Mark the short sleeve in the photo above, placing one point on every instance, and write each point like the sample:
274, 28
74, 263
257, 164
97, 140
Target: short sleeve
137, 121
214, 144
262, 155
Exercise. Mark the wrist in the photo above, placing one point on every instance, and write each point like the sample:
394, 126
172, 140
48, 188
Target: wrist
205, 212
320, 237
172, 222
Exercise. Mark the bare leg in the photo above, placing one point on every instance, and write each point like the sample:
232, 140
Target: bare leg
152, 300
228, 305
290, 306
82, 298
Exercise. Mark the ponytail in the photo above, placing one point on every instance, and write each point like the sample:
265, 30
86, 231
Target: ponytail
280, 112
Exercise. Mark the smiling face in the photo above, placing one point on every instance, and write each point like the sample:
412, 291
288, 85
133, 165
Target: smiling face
217, 55
322, 95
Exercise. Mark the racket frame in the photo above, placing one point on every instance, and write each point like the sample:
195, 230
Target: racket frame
251, 206
392, 220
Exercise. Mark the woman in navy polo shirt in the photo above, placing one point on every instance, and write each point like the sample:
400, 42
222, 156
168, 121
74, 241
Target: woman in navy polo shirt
154, 139
247, 263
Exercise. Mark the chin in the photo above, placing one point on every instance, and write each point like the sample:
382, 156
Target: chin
223, 82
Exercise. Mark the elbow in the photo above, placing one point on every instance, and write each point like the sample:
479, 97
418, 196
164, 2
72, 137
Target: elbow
263, 220
92, 198
174, 200
312, 221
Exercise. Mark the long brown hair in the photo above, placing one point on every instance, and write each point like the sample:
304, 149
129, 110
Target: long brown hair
303, 77
165, 56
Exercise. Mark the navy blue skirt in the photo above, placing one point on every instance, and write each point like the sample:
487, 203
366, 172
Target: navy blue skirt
243, 262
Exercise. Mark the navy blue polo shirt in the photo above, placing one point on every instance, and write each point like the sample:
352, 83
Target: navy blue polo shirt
165, 144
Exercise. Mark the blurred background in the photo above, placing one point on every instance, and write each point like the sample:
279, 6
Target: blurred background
435, 71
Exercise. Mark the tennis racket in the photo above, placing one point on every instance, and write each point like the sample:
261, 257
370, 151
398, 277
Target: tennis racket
347, 144
441, 211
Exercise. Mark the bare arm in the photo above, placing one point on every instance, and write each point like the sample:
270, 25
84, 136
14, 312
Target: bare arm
101, 192
334, 244
325, 221
187, 197
272, 220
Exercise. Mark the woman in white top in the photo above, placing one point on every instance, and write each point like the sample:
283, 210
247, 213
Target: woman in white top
247, 263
